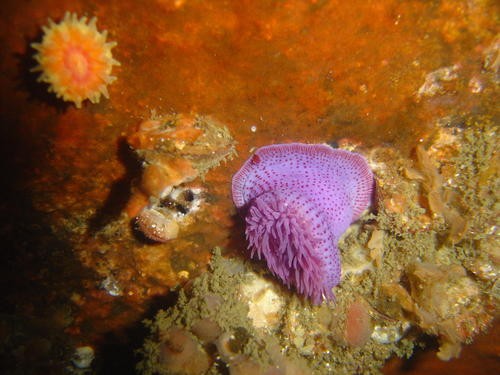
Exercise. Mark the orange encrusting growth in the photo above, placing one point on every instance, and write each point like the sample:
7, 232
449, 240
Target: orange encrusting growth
75, 59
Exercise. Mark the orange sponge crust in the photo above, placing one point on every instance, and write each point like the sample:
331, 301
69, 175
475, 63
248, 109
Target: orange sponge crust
75, 59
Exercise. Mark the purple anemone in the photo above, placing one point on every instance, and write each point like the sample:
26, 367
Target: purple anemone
297, 200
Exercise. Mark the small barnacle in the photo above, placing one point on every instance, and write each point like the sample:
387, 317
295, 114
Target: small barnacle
231, 344
177, 350
161, 219
358, 329
156, 225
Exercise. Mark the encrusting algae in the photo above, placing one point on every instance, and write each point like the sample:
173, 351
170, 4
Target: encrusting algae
75, 59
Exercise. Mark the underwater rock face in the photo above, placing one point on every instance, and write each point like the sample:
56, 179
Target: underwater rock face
275, 71
407, 271
297, 200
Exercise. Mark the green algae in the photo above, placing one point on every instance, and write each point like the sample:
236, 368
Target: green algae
304, 342
475, 198
478, 182
450, 225
211, 296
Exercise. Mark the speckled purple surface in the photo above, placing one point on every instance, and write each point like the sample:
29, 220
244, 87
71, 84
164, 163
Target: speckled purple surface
297, 200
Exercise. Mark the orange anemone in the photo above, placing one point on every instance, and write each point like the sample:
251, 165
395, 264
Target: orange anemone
75, 59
